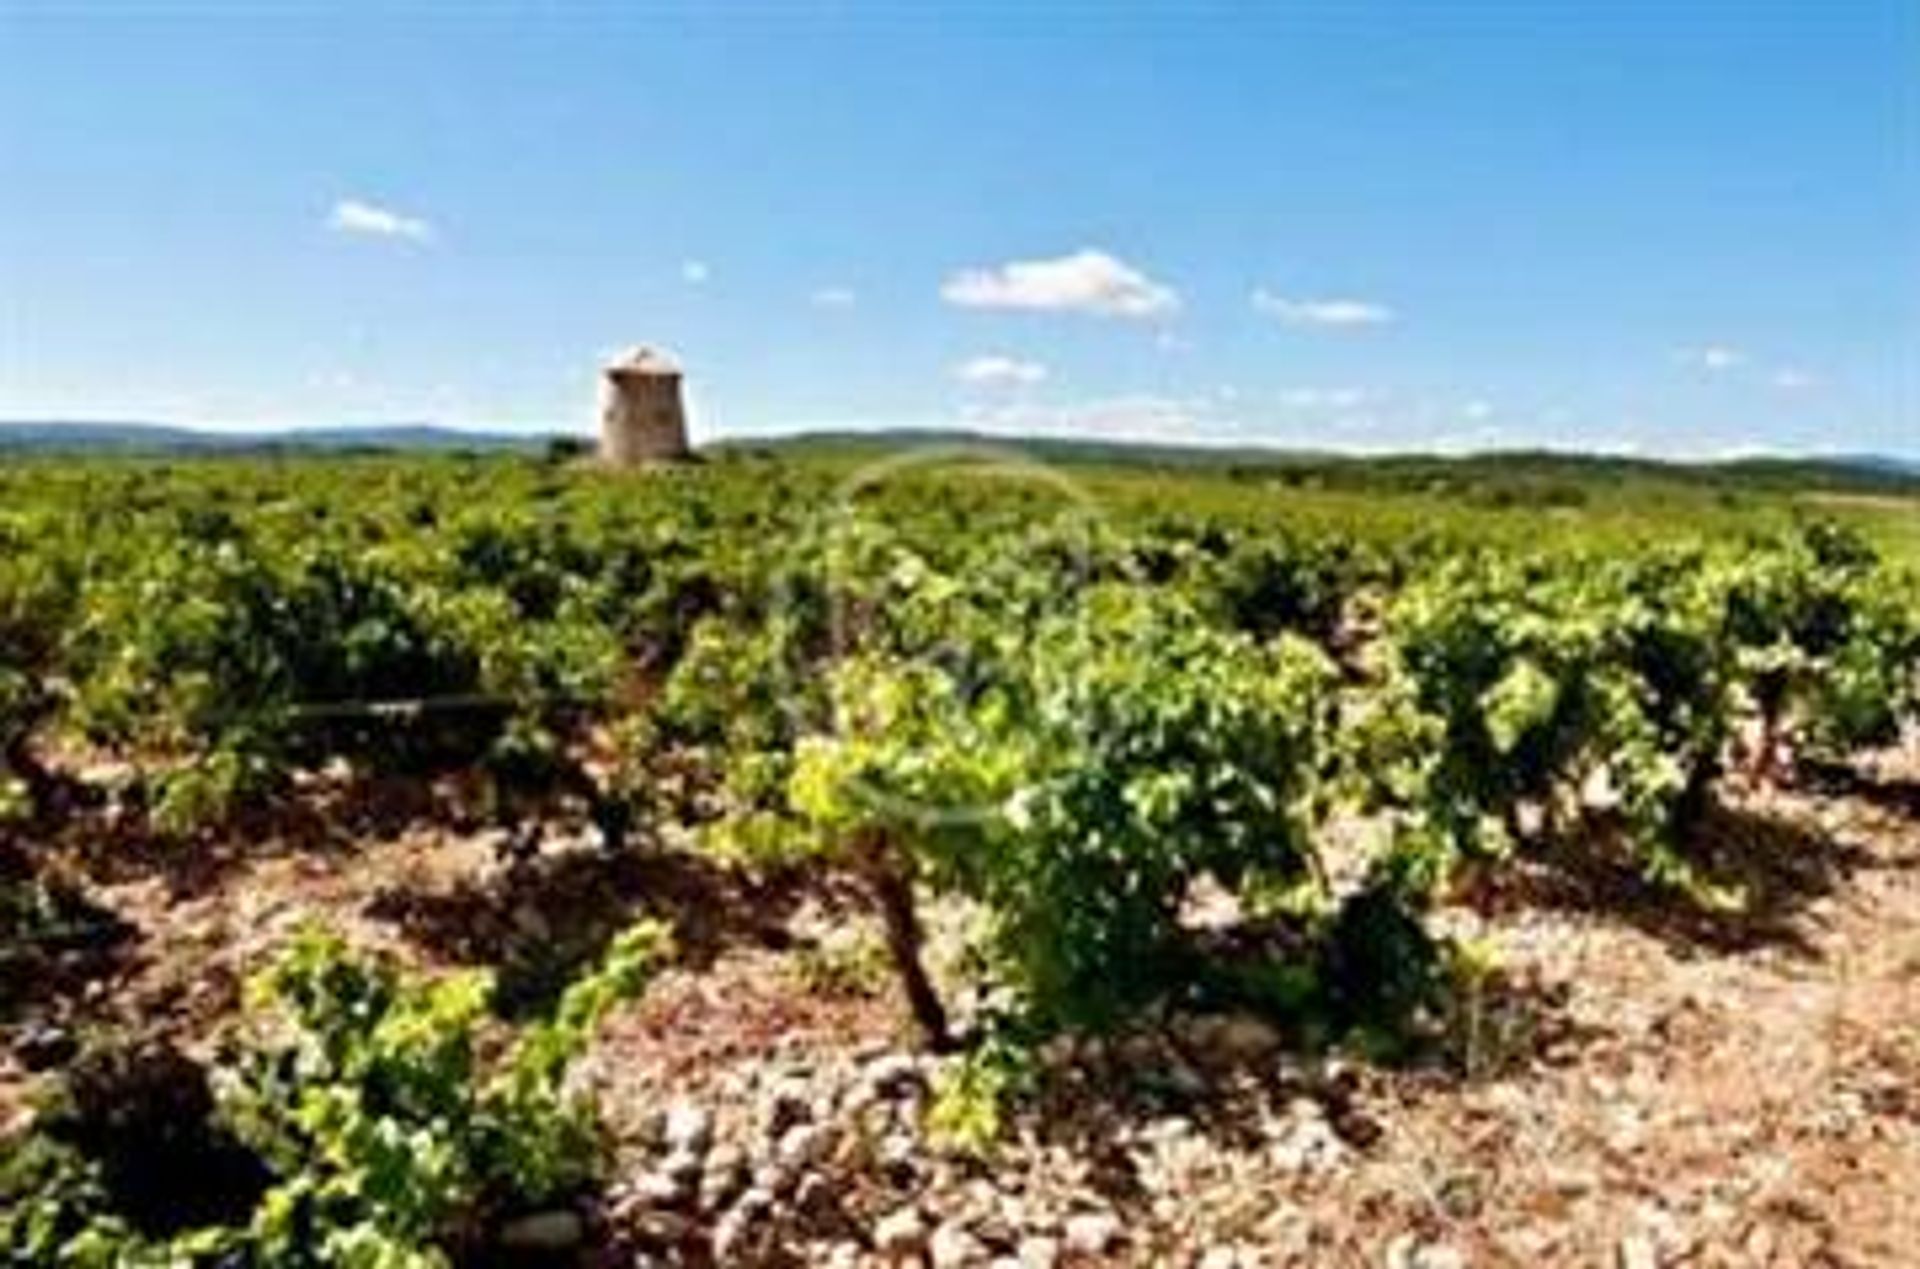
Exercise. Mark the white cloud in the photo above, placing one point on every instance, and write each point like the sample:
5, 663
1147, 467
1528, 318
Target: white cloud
833, 297
333, 380
994, 369
1793, 379
1712, 357
1477, 410
695, 272
352, 216
1137, 418
1193, 421
1087, 281
1328, 313
1322, 398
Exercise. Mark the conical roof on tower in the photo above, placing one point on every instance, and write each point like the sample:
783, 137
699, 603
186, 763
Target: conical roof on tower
644, 360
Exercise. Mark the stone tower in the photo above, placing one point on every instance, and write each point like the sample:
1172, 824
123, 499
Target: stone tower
642, 419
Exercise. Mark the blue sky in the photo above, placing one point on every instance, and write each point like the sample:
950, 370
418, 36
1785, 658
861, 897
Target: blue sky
1686, 227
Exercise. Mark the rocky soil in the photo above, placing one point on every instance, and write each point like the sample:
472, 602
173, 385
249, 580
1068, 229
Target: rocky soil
1637, 1086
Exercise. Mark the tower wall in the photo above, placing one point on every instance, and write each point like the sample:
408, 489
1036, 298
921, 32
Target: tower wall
642, 418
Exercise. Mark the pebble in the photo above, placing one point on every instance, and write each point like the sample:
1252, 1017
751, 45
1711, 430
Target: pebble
683, 1169
898, 1157
774, 1179
43, 1046
1406, 1253
731, 1234
900, 1234
858, 1100
1170, 1128
654, 1189
993, 1227
725, 1176
1571, 1182
803, 1145
1012, 1216
895, 1075
814, 1197
663, 1229
757, 1200
1039, 1253
1092, 1233
953, 1246
789, 1102
1309, 1145
688, 1128
734, 1234
1636, 1252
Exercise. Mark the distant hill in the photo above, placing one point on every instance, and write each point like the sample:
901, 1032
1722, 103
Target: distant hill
159, 438
1865, 473
1880, 463
1531, 469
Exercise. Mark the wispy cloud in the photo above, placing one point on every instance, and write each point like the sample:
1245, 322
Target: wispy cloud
1086, 281
1711, 357
1477, 410
1724, 358
1330, 313
996, 370
833, 297
333, 380
695, 272
1323, 398
1140, 418
354, 216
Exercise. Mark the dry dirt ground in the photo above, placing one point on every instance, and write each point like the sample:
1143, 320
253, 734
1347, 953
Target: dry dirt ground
1639, 1086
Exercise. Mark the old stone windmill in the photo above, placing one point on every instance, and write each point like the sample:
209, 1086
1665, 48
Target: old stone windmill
642, 418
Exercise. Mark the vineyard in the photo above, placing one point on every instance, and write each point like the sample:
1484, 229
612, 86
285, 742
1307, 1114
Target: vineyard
852, 859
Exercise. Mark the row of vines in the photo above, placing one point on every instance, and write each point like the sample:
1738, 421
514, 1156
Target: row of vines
1068, 716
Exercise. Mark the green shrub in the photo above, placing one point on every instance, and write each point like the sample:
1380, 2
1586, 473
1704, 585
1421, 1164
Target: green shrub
368, 1126
1124, 752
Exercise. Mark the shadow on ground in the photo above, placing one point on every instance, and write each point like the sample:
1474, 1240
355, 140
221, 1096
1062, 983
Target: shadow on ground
541, 921
114, 844
1896, 795
53, 939
1777, 867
